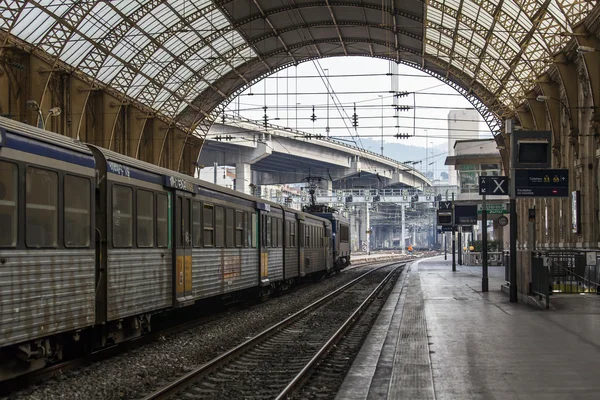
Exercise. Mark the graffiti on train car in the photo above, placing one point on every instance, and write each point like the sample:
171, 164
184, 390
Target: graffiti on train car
119, 169
232, 267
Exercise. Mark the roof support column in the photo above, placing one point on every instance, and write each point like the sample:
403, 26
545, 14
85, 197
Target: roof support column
79, 94
557, 111
5, 95
180, 138
137, 124
39, 75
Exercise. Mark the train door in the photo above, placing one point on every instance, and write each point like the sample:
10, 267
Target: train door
264, 244
327, 246
301, 245
183, 248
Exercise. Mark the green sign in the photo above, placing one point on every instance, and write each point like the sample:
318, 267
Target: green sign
493, 208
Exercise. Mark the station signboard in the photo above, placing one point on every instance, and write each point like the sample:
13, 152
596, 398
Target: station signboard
542, 183
465, 214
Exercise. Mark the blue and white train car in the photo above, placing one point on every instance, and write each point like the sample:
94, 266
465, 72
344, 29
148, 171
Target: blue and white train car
47, 246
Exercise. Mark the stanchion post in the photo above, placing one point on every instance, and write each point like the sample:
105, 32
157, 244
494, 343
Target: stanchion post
513, 215
484, 253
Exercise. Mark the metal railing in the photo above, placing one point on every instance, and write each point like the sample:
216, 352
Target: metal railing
495, 258
568, 270
540, 277
506, 257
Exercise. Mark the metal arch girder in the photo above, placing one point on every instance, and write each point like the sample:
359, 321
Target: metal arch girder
296, 6
455, 37
488, 38
342, 23
307, 31
536, 20
554, 107
337, 28
368, 35
252, 43
115, 36
307, 44
157, 85
567, 71
273, 29
591, 61
491, 118
106, 51
85, 78
525, 117
537, 110
166, 73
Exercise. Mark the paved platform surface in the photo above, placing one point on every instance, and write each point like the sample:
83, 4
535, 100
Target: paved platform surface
440, 337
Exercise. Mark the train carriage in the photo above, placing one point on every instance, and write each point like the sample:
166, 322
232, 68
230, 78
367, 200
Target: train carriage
315, 245
225, 256
47, 255
135, 244
290, 247
273, 245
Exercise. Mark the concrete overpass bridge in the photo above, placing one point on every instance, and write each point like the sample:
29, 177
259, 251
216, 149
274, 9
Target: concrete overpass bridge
276, 155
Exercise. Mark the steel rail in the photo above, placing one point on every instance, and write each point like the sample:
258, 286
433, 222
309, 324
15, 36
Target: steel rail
190, 378
299, 378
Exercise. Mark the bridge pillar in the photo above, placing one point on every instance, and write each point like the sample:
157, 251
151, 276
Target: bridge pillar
243, 177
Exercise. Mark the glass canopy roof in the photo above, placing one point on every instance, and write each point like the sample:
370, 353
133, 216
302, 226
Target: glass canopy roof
190, 56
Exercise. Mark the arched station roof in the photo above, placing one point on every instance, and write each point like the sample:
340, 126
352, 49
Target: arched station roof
185, 58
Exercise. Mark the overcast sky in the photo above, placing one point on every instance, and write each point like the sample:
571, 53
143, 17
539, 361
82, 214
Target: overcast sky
357, 80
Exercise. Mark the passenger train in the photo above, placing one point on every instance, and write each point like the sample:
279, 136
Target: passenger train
94, 243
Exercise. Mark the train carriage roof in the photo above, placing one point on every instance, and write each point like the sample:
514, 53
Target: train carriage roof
38, 134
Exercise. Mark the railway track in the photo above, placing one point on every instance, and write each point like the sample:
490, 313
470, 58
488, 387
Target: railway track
307, 347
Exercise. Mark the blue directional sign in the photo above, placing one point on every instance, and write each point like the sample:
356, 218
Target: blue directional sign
542, 183
493, 185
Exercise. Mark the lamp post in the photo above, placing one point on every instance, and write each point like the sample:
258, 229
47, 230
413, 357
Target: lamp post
546, 98
53, 112
33, 106
41, 122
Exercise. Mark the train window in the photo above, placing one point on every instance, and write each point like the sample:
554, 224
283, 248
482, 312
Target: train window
76, 211
239, 228
229, 228
122, 201
273, 232
219, 226
292, 234
286, 237
162, 220
280, 233
197, 224
41, 208
209, 228
344, 233
268, 230
8, 204
145, 218
248, 229
253, 229
307, 234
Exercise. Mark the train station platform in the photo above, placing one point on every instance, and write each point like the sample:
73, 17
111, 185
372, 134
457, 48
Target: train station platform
440, 337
